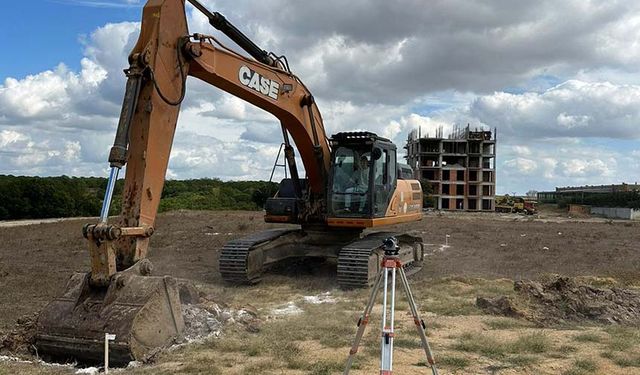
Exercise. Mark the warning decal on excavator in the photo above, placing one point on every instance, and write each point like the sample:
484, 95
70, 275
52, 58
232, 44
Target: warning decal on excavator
259, 83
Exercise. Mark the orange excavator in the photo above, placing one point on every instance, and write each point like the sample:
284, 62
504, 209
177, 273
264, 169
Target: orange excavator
353, 182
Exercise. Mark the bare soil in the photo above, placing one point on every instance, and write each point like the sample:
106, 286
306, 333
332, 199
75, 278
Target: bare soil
36, 260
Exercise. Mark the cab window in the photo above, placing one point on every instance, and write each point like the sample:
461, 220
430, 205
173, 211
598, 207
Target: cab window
383, 183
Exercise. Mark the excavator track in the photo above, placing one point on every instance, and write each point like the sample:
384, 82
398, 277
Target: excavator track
243, 260
359, 261
239, 262
233, 262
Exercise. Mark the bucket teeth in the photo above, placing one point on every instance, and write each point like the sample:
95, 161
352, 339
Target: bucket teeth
142, 311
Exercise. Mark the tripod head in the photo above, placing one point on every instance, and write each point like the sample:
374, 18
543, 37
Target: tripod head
390, 246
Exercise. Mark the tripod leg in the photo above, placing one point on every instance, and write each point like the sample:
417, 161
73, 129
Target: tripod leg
386, 346
420, 326
362, 322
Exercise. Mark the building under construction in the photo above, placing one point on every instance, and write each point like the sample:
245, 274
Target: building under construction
458, 171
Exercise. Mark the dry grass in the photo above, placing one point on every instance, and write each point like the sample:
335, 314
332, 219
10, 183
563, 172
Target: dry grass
318, 341
536, 342
482, 344
491, 347
507, 323
582, 367
587, 337
526, 350
454, 362
623, 338
623, 346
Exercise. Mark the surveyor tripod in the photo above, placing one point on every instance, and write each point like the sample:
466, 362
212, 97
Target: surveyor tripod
390, 265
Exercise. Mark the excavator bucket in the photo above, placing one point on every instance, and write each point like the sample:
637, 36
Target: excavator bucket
142, 311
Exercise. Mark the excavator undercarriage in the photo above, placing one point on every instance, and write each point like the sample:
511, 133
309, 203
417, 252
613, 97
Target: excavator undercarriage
358, 256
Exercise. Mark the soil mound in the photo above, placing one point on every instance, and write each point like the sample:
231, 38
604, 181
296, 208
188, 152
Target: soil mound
566, 300
21, 338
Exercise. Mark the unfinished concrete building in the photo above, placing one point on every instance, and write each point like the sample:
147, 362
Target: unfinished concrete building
458, 170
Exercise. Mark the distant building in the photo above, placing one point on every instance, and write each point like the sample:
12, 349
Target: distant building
459, 170
578, 193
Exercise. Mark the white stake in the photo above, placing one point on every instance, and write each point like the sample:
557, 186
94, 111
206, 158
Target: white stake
446, 240
107, 337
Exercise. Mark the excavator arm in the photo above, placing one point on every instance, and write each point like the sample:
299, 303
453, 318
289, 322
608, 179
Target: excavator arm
119, 296
160, 62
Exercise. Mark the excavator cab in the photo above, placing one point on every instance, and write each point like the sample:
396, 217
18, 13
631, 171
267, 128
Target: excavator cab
363, 175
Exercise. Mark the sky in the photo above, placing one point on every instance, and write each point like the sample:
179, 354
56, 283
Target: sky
559, 80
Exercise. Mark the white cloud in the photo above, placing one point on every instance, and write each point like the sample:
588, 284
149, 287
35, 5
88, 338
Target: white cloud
582, 168
196, 156
521, 165
43, 94
352, 52
21, 154
521, 150
621, 40
72, 151
551, 164
428, 126
8, 137
572, 121
571, 109
60, 121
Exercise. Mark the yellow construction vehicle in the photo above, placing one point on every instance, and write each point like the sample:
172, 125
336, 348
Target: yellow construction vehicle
529, 206
352, 184
508, 204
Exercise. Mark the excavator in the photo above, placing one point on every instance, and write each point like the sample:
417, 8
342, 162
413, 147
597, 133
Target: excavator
353, 183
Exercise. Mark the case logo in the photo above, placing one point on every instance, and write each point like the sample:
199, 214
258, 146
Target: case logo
259, 83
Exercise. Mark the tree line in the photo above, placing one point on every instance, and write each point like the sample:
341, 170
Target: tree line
24, 197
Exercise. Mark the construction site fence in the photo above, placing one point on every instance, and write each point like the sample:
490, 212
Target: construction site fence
617, 212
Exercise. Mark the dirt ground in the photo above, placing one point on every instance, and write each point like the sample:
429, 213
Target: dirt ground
486, 253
